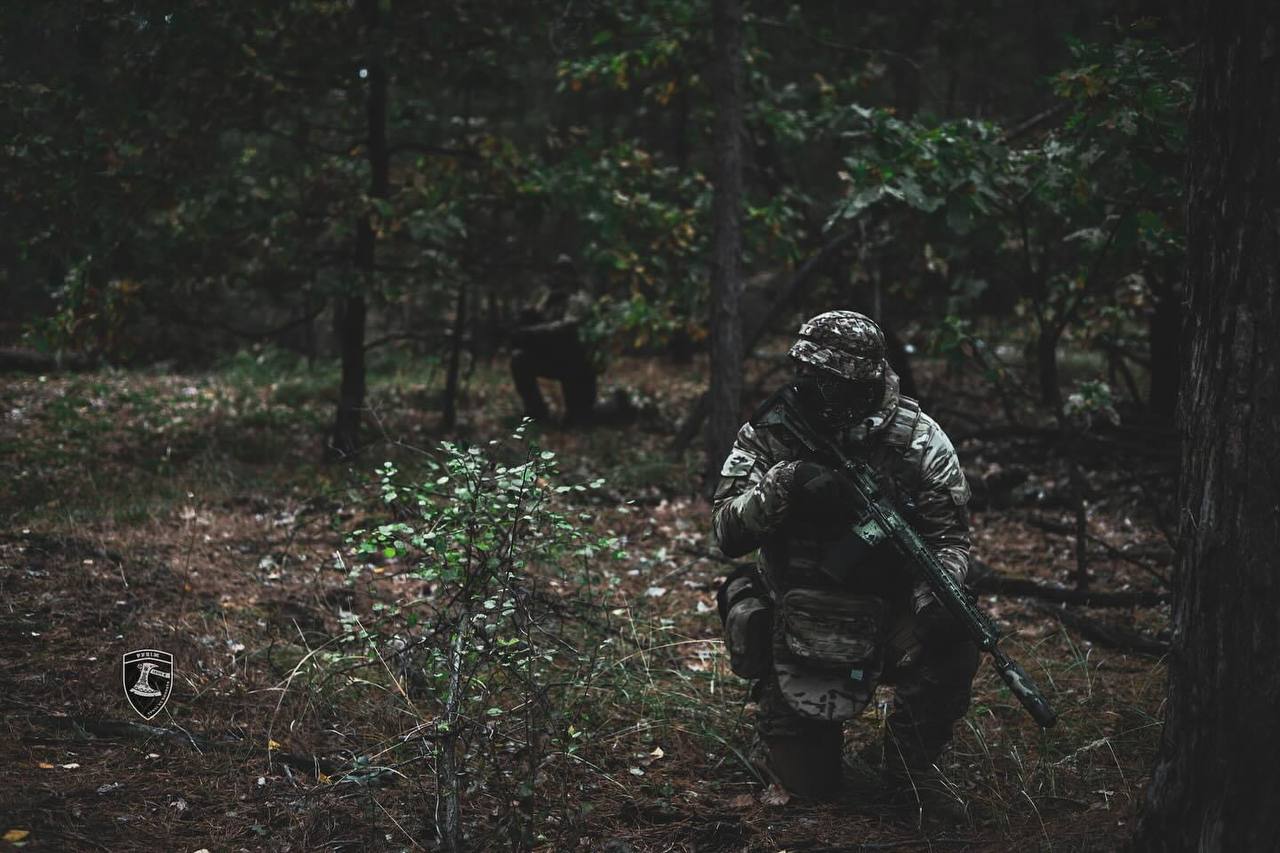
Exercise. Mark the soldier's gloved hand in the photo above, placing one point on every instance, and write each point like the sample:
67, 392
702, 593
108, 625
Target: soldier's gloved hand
822, 495
935, 625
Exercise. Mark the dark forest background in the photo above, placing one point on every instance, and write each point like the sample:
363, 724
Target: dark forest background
976, 176
261, 271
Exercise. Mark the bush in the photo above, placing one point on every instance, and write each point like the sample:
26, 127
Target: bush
482, 657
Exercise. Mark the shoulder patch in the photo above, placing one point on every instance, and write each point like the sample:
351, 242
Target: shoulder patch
738, 463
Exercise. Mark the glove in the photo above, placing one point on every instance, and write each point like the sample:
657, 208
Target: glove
821, 495
935, 625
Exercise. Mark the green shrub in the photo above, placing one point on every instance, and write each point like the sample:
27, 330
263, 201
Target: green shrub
482, 657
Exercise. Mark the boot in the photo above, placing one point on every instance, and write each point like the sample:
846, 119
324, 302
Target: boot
806, 767
862, 773
933, 803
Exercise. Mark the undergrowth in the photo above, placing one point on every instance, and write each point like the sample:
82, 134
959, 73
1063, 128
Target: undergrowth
567, 693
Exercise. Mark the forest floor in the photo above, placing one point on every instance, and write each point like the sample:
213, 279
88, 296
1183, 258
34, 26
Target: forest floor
191, 513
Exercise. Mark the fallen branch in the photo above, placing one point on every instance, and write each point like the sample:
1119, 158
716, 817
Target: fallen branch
984, 580
33, 361
404, 336
1052, 526
993, 582
1109, 636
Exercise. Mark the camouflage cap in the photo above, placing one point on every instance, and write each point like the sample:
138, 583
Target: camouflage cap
845, 343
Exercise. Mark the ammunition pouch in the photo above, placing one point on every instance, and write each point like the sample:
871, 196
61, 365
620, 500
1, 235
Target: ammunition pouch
832, 629
747, 617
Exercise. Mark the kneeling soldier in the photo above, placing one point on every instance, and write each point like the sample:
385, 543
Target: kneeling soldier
824, 617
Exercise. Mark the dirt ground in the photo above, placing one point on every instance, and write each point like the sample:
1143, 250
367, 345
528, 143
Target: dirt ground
190, 513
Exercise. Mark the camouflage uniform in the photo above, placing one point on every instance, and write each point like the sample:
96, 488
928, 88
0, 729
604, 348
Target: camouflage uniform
802, 707
549, 344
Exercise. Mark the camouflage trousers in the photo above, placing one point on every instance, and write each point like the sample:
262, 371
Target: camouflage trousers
930, 695
561, 356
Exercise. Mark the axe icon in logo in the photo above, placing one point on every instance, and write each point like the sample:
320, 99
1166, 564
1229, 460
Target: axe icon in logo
148, 680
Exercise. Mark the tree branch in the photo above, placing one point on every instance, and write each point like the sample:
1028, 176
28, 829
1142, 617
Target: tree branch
1120, 554
835, 45
1026, 126
993, 582
433, 150
1110, 636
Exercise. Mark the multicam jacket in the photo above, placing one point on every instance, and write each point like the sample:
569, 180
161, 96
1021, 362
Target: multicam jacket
554, 309
916, 467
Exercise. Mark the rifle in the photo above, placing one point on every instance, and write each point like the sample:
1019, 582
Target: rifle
880, 521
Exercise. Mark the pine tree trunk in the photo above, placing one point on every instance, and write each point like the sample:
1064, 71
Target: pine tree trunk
1047, 367
348, 326
349, 319
725, 395
680, 118
1164, 331
449, 415
914, 24
1216, 783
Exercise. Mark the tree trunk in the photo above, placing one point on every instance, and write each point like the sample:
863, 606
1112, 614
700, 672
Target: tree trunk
680, 119
1047, 367
726, 252
349, 315
448, 771
449, 415
493, 327
1165, 328
348, 327
309, 342
1216, 782
1078, 489
784, 294
904, 67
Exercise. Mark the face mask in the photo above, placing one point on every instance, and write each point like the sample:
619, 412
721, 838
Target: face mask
834, 402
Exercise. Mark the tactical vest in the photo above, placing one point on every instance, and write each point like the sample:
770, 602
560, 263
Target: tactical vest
822, 627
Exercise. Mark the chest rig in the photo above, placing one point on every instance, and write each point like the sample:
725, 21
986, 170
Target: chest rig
836, 589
